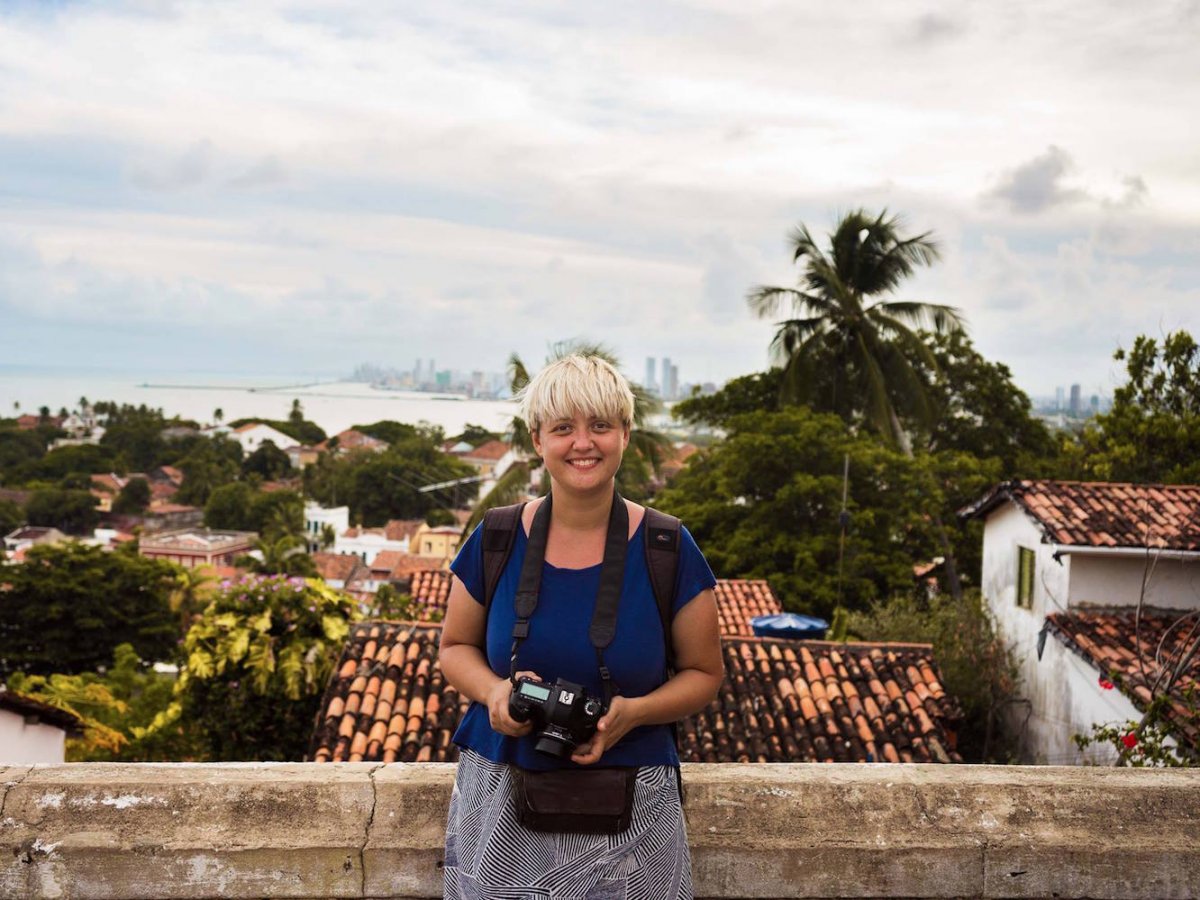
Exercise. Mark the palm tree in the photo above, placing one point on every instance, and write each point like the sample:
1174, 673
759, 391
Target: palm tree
863, 347
859, 347
646, 451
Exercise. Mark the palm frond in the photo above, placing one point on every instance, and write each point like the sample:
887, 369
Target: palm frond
518, 374
766, 301
939, 317
792, 333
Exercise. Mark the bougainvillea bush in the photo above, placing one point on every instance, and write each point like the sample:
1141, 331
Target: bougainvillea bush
255, 665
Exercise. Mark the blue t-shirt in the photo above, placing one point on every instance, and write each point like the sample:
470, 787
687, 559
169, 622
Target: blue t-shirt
558, 645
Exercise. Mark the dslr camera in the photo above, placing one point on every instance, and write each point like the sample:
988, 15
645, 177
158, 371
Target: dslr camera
563, 711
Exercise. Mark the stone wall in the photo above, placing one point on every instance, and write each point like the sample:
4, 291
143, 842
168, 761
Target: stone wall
367, 830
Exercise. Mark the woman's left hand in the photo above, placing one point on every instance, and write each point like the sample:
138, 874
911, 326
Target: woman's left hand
622, 715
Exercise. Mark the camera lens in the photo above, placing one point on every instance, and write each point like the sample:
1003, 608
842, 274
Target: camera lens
555, 742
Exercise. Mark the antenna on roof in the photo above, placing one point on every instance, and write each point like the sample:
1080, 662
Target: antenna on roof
838, 632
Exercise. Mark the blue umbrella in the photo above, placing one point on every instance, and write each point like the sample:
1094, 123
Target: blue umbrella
790, 625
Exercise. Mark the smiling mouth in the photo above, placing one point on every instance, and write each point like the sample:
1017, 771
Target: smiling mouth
584, 463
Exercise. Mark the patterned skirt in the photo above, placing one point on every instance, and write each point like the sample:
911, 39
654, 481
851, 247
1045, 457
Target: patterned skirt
491, 856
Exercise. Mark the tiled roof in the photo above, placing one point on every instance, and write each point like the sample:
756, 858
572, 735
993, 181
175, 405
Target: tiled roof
109, 482
336, 566
741, 599
397, 565
491, 450
819, 701
1110, 642
430, 590
27, 706
782, 701
1104, 514
388, 699
399, 529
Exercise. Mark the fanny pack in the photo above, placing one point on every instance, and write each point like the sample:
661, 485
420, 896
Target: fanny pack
586, 801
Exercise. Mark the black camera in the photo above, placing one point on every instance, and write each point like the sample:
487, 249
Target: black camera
564, 711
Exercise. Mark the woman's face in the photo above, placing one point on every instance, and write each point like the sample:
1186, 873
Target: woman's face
582, 453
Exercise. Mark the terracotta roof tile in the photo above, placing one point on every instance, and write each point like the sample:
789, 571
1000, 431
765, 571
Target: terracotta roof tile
396, 565
490, 450
430, 590
389, 701
1109, 640
337, 566
1104, 514
739, 600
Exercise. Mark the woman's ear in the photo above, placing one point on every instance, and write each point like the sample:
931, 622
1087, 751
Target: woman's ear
625, 444
535, 436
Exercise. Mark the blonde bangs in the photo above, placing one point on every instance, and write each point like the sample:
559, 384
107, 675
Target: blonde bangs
576, 384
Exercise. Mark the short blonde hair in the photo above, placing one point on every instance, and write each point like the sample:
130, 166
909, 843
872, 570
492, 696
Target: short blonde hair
576, 384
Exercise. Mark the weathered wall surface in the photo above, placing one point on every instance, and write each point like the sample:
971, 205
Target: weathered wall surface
757, 831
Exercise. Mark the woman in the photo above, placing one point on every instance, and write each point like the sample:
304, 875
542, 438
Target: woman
579, 411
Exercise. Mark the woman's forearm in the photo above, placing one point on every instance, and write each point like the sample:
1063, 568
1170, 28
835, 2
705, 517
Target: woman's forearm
688, 692
467, 671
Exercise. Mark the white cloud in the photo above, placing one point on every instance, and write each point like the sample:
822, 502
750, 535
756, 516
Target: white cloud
511, 175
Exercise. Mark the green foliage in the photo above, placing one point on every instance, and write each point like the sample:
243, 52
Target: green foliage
128, 696
382, 486
977, 409
133, 498
209, 464
765, 502
134, 433
17, 449
388, 430
11, 516
389, 603
277, 516
758, 392
84, 459
70, 511
69, 605
977, 668
268, 462
257, 662
1151, 742
475, 435
1152, 432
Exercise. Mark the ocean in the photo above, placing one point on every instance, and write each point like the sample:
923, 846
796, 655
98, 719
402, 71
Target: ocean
334, 405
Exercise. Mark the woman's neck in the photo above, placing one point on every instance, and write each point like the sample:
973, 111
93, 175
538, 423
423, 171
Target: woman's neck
582, 512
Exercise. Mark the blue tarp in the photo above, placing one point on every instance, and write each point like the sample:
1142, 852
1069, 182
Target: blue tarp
790, 625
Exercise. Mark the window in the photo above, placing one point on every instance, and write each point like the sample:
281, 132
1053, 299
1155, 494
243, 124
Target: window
1025, 558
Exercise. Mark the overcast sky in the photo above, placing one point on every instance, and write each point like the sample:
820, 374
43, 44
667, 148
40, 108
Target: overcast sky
298, 187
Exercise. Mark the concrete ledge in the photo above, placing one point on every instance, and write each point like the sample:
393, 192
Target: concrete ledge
366, 830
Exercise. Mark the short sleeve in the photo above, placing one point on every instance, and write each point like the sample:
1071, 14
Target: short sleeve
468, 564
694, 573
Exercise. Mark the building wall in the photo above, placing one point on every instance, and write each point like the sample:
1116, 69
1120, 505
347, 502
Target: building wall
1066, 699
22, 744
1117, 580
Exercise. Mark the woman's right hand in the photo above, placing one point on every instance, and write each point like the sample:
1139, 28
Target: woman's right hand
497, 705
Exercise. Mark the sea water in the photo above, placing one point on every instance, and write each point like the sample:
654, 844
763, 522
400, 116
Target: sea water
334, 405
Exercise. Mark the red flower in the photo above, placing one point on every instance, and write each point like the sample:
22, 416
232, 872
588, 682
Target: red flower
1105, 683
1129, 740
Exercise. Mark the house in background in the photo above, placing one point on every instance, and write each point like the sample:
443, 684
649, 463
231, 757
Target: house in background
253, 435
32, 732
17, 541
1064, 567
194, 547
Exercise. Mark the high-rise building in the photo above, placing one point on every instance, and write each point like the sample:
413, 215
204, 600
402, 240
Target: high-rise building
650, 384
665, 371
1076, 400
1060, 398
674, 383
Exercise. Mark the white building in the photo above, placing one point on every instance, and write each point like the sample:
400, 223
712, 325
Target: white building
316, 517
253, 435
1064, 565
32, 732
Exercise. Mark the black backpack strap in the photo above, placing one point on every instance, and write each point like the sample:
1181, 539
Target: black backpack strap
499, 534
662, 562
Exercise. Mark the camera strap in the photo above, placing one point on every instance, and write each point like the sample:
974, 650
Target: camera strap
608, 597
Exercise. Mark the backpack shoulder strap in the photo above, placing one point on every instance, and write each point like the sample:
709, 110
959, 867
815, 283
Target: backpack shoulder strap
499, 534
662, 562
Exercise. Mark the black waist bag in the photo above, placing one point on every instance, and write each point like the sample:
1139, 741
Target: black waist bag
585, 801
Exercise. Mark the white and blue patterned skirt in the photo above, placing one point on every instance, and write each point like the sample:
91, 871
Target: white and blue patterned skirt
491, 856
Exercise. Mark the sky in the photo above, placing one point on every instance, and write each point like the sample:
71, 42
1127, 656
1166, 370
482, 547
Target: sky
302, 186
